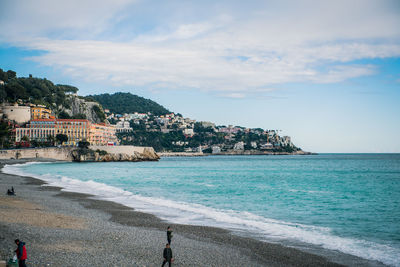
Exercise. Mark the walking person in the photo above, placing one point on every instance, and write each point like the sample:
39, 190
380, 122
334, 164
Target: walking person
21, 253
167, 256
169, 235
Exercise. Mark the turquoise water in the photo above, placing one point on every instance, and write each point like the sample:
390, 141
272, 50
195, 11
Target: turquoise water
344, 202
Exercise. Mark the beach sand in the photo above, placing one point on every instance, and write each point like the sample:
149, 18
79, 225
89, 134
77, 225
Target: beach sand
71, 229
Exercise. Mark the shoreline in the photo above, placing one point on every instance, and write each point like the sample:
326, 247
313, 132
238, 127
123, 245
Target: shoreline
214, 243
232, 153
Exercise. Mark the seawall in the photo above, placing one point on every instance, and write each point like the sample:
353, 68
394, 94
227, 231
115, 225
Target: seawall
114, 153
56, 153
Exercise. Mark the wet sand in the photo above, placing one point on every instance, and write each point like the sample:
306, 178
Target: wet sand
72, 229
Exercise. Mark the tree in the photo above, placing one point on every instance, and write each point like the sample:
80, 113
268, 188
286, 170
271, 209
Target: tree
100, 114
83, 144
128, 103
51, 140
63, 115
11, 74
4, 133
61, 138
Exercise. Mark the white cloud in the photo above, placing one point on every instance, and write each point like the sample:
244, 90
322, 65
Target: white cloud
234, 52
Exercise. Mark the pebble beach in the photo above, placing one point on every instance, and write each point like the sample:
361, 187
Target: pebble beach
72, 229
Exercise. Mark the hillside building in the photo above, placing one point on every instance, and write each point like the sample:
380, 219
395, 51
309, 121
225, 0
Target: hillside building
123, 127
40, 112
19, 114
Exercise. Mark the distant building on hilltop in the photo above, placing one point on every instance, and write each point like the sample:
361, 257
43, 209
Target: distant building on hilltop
239, 146
123, 127
188, 131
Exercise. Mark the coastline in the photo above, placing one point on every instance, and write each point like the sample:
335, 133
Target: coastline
232, 153
107, 225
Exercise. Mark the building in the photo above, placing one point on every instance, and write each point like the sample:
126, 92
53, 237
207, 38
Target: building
40, 112
123, 127
76, 130
207, 124
188, 132
102, 134
239, 146
216, 149
19, 114
286, 141
37, 130
266, 146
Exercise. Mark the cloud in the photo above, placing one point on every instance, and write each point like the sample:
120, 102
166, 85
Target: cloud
234, 95
236, 49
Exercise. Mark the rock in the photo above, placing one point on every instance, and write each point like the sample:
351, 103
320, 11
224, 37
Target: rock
81, 106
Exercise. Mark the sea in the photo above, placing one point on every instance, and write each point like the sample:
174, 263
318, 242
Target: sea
344, 203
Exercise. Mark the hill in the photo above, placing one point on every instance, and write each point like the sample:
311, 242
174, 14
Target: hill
61, 99
128, 103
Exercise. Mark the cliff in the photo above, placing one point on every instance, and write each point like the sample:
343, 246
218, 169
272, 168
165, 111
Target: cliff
92, 111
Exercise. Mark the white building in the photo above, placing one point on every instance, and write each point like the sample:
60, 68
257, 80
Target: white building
216, 149
123, 127
253, 144
188, 132
19, 114
207, 124
267, 146
239, 146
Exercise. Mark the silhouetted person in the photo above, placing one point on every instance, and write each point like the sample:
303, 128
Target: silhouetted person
21, 253
11, 192
167, 256
169, 235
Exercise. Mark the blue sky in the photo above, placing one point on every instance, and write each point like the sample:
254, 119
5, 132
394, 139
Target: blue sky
326, 73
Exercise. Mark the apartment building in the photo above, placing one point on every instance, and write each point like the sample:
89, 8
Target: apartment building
40, 112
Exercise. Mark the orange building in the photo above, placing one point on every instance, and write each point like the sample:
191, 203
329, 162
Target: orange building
76, 130
102, 134
40, 112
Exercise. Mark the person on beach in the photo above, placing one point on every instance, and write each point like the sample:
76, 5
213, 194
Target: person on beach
21, 253
11, 192
167, 256
169, 235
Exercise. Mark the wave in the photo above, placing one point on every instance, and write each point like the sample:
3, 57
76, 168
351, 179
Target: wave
244, 222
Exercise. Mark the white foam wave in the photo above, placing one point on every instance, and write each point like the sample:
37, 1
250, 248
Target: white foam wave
196, 214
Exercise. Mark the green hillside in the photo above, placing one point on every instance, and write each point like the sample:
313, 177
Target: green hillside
33, 90
128, 103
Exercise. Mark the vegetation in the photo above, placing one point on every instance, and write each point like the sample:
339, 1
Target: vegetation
101, 152
83, 144
100, 114
61, 138
128, 103
34, 90
4, 134
41, 92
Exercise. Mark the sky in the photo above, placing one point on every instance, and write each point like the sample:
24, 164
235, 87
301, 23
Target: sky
326, 73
